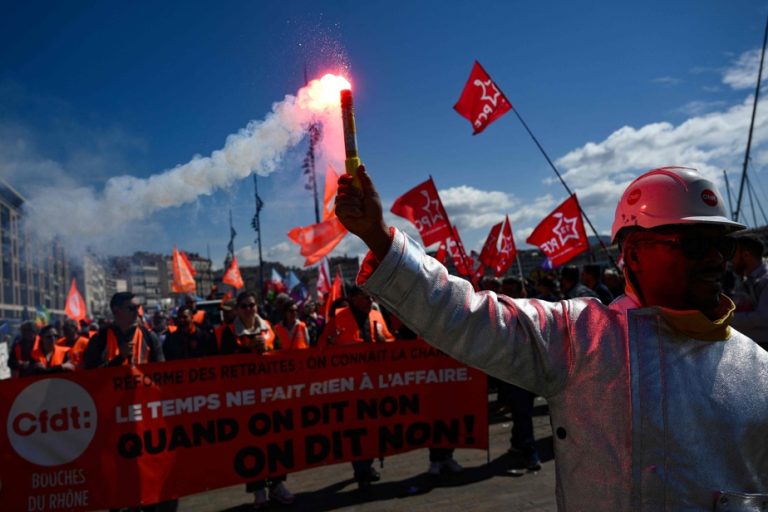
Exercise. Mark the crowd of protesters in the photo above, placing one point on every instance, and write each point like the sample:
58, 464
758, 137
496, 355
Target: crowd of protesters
244, 325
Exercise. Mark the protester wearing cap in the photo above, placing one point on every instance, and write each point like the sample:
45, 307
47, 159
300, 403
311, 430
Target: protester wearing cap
656, 403
125, 341
752, 318
251, 334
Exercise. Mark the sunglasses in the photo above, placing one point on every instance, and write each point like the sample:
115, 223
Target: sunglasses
247, 305
697, 247
132, 308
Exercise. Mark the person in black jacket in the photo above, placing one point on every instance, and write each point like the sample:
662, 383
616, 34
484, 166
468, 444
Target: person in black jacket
125, 341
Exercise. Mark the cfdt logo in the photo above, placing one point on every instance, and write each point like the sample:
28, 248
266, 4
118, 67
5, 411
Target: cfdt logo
52, 422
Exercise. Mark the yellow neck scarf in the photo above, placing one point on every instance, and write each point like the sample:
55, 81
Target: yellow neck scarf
693, 323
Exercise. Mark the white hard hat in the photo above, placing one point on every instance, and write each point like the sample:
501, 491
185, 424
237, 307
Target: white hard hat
670, 195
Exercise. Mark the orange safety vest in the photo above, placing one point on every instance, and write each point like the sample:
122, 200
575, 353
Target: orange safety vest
76, 350
57, 358
348, 332
296, 338
269, 336
199, 317
140, 348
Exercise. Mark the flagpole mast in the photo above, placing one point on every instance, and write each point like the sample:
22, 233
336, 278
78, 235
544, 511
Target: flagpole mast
751, 127
552, 165
520, 267
256, 223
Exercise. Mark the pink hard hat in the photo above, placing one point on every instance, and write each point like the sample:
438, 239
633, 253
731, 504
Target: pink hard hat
670, 195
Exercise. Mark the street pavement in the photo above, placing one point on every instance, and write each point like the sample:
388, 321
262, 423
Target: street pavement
491, 480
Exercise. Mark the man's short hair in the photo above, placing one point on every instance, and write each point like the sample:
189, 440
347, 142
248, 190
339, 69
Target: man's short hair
246, 294
592, 270
28, 325
119, 299
751, 244
354, 291
570, 273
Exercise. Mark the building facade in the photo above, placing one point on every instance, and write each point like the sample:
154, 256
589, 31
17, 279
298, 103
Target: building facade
34, 275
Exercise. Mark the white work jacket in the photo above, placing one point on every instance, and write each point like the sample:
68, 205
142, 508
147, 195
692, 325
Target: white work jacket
644, 418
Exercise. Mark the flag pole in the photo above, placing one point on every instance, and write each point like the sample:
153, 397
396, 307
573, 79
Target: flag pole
519, 267
256, 223
552, 165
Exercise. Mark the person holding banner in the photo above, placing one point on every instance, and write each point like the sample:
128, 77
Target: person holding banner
655, 401
20, 356
188, 340
360, 323
291, 332
76, 343
124, 341
47, 356
249, 334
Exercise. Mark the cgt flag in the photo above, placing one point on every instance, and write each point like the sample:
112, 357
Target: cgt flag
561, 234
232, 276
481, 102
422, 206
318, 240
183, 273
75, 308
329, 193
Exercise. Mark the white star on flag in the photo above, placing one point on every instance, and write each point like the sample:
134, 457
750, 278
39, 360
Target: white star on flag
565, 228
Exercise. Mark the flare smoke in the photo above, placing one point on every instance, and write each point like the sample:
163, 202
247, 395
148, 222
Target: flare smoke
86, 215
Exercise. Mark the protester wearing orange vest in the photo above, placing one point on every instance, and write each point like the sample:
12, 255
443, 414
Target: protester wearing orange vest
249, 333
328, 334
46, 356
21, 350
198, 315
188, 341
124, 342
76, 343
360, 323
291, 332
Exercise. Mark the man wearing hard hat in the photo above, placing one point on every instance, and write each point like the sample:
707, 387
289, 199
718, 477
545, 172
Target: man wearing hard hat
656, 403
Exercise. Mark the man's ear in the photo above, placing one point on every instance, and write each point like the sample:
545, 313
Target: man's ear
631, 259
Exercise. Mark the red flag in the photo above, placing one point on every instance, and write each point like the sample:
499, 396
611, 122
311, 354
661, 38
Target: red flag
323, 277
183, 273
75, 308
337, 291
456, 249
490, 252
481, 102
507, 249
422, 206
331, 185
442, 252
561, 235
232, 276
317, 240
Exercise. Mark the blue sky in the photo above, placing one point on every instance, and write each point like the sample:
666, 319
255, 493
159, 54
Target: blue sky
90, 91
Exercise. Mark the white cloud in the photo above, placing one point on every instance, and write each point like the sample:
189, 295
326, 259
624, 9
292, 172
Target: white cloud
666, 80
743, 73
697, 107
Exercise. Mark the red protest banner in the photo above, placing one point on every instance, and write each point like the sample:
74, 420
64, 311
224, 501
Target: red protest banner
118, 437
